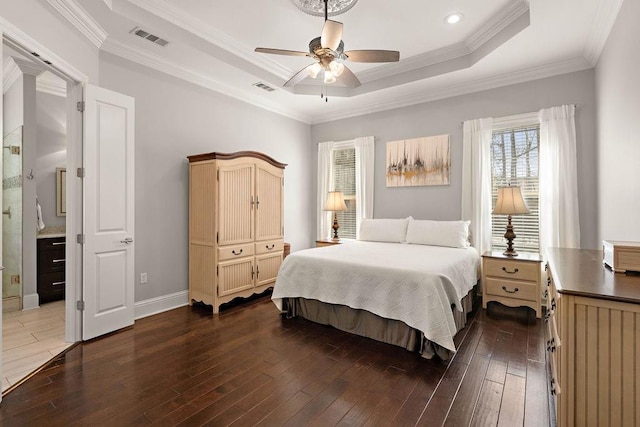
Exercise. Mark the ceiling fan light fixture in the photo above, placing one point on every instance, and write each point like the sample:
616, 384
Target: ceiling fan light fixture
314, 69
454, 18
329, 77
337, 68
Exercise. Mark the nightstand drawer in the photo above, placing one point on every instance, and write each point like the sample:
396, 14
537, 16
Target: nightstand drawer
512, 289
512, 269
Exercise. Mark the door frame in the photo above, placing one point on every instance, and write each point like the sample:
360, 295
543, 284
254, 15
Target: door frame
75, 83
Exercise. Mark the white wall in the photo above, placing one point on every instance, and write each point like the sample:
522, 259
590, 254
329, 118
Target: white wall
175, 119
445, 117
51, 115
618, 95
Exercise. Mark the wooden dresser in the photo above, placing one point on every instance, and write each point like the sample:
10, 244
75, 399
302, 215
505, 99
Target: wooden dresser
236, 225
593, 340
51, 269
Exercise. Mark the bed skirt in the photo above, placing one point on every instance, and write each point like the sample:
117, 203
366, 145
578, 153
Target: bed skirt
367, 324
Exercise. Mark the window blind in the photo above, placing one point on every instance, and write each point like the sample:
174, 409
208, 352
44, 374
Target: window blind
344, 179
515, 161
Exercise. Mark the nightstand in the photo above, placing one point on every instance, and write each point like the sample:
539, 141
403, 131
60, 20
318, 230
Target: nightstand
512, 281
328, 242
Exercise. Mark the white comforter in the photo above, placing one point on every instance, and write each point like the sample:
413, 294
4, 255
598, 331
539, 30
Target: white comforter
413, 283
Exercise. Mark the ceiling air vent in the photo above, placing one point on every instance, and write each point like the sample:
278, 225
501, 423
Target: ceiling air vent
264, 86
148, 36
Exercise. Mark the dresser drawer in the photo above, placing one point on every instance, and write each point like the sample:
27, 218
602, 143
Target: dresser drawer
512, 289
235, 251
51, 260
270, 246
512, 269
51, 286
46, 244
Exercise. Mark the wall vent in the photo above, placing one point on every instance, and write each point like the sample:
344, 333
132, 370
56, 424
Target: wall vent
264, 86
148, 36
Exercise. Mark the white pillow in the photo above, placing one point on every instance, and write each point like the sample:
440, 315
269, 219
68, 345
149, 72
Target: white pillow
454, 234
383, 230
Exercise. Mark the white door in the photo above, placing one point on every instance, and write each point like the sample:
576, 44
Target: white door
108, 278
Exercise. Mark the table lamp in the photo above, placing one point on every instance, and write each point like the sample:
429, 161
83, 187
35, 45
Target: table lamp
335, 203
510, 202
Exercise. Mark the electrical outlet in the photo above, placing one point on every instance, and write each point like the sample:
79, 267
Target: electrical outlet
15, 279
143, 277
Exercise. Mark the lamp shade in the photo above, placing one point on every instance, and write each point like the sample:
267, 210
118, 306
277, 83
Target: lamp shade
510, 202
335, 202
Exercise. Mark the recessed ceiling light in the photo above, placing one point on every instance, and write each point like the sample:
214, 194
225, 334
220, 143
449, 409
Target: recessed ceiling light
454, 18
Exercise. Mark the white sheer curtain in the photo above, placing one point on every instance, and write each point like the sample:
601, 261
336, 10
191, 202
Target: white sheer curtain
325, 166
559, 216
476, 180
365, 156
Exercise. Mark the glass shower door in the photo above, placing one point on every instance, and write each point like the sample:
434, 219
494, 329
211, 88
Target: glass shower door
12, 220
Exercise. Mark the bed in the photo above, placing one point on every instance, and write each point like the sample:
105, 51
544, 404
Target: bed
412, 295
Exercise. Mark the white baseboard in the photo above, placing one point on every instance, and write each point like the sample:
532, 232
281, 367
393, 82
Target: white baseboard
160, 304
30, 301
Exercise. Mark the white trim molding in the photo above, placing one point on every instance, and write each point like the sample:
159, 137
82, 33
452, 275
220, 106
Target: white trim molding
30, 301
10, 73
51, 84
603, 22
160, 304
79, 18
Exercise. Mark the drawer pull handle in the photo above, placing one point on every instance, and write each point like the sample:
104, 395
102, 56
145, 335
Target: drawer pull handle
504, 288
58, 260
515, 270
57, 283
236, 253
57, 243
269, 247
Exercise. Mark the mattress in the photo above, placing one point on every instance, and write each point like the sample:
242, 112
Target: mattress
415, 284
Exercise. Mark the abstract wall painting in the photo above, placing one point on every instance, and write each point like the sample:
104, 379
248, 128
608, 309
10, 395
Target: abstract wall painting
418, 162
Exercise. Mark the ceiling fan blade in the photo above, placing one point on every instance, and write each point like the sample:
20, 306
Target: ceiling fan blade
281, 51
331, 34
373, 55
348, 78
298, 77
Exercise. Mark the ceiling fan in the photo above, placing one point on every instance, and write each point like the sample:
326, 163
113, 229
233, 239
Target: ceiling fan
328, 51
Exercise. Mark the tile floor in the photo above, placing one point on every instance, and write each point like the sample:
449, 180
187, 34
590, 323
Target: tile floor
29, 339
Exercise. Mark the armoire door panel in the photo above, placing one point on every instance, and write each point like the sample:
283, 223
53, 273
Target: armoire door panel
235, 276
269, 196
235, 203
267, 267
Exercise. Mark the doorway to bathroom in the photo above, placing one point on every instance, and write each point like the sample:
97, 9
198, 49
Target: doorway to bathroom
34, 157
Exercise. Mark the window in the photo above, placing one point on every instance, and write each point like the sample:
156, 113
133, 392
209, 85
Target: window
344, 179
514, 161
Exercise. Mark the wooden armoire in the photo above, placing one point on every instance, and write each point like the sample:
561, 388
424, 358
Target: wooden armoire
236, 225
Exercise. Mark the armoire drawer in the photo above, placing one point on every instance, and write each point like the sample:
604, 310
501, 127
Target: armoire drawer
269, 246
235, 251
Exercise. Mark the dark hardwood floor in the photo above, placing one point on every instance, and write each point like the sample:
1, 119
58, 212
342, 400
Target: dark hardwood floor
247, 366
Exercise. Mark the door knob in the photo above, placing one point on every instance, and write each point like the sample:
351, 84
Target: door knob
127, 240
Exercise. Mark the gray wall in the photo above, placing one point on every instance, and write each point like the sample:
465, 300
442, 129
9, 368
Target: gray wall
51, 115
446, 116
618, 95
175, 119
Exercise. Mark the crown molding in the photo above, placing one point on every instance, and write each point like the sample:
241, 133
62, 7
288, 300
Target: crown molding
10, 73
507, 79
28, 67
605, 18
160, 64
497, 24
79, 18
197, 27
51, 84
